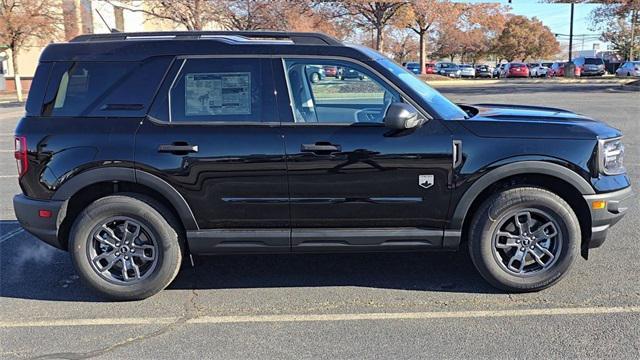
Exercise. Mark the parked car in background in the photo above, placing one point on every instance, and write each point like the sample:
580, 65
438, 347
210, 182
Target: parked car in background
429, 68
349, 73
467, 71
557, 70
330, 71
414, 67
538, 69
590, 66
483, 71
498, 70
448, 69
315, 73
512, 70
629, 68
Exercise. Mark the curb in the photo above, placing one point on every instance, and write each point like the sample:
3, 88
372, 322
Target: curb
527, 81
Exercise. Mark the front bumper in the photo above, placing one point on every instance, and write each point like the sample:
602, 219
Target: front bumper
617, 204
27, 212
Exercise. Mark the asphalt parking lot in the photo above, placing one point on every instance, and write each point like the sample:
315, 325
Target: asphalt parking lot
426, 305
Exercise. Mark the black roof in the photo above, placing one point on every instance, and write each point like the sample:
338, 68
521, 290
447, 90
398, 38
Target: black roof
142, 45
300, 38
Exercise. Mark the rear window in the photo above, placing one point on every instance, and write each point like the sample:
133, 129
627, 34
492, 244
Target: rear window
593, 61
517, 65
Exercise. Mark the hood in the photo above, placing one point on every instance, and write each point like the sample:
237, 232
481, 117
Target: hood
535, 122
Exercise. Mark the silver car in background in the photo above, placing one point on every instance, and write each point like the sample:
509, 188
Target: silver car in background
467, 71
629, 68
539, 69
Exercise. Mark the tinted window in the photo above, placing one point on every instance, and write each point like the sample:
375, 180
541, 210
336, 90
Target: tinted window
593, 61
223, 90
356, 96
82, 85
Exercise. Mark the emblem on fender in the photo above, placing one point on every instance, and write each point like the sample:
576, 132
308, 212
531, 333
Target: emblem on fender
425, 181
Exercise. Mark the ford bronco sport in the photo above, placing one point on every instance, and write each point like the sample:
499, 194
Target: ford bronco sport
138, 149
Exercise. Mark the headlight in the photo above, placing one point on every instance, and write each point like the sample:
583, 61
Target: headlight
611, 153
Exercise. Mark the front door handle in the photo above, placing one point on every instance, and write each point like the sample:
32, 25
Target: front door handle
178, 148
320, 148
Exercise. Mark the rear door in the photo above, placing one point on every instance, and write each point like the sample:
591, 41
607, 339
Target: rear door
354, 182
213, 134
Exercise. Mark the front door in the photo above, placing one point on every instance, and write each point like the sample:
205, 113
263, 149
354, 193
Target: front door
352, 181
213, 134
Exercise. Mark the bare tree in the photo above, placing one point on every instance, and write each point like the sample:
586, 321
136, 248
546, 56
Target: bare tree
192, 14
23, 22
373, 15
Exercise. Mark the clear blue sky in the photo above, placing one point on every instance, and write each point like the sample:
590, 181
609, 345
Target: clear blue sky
556, 17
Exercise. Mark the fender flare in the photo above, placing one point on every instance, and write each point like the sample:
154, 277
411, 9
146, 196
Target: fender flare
516, 168
84, 179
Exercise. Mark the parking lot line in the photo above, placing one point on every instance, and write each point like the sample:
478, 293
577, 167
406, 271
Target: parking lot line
10, 234
574, 311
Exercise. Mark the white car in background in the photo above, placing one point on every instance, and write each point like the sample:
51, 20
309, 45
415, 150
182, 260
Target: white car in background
539, 69
629, 68
467, 70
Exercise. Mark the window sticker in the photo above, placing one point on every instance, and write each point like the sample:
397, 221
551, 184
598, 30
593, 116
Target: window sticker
218, 93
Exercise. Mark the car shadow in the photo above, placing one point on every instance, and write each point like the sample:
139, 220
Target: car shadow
31, 269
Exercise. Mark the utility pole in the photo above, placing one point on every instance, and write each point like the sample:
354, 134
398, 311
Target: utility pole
634, 19
571, 34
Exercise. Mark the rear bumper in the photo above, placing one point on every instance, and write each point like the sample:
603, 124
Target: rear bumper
46, 229
617, 204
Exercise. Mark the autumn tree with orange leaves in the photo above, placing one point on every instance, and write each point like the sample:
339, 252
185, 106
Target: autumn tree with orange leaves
524, 38
23, 22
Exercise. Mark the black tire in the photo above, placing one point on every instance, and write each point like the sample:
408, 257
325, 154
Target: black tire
154, 219
498, 208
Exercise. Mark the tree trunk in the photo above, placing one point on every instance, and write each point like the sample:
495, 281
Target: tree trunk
422, 52
16, 74
379, 40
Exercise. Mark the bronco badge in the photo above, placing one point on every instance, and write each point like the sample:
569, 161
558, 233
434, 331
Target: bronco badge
425, 181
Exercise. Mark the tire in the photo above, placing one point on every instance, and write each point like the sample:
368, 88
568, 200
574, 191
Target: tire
495, 264
159, 246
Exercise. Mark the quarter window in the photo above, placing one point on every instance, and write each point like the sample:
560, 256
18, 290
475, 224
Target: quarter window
333, 91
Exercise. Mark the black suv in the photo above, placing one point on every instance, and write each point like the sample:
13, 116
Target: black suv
140, 149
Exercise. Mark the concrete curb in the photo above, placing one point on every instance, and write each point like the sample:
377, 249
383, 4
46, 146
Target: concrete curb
458, 82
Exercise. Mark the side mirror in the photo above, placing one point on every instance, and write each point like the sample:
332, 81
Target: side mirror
401, 116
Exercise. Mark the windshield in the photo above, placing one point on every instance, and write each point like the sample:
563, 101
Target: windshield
445, 108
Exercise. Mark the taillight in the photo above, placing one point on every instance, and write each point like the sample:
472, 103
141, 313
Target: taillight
21, 154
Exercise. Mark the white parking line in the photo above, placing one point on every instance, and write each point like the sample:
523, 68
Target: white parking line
11, 234
8, 176
326, 317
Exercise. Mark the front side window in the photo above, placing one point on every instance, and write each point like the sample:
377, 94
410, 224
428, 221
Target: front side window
351, 94
221, 90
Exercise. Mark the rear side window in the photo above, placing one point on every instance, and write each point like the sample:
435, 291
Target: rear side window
97, 89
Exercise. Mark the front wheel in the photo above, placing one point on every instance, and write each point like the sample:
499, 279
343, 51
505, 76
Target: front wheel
126, 248
524, 239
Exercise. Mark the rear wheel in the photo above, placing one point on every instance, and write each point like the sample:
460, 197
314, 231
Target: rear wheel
524, 239
126, 248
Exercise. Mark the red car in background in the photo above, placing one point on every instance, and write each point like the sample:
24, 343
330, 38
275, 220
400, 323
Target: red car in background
331, 71
516, 70
557, 69
429, 68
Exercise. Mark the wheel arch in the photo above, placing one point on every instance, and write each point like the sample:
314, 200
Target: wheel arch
88, 186
553, 177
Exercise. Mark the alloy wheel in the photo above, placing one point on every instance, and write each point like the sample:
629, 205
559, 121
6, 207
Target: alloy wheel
122, 251
527, 242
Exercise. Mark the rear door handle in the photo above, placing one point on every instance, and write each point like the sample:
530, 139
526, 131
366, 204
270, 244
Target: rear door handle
320, 148
173, 148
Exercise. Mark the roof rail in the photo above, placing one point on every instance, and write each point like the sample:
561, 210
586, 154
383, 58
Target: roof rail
299, 38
